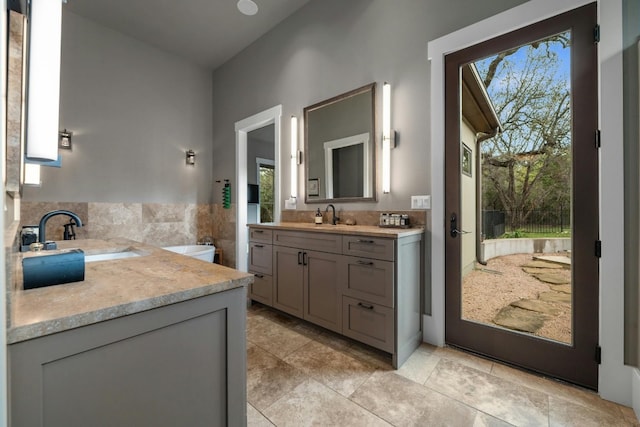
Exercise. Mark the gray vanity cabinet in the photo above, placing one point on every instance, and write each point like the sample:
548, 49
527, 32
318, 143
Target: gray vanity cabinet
179, 365
366, 288
261, 265
307, 283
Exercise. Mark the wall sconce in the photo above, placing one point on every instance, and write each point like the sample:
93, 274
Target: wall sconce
294, 157
64, 140
388, 138
190, 157
43, 99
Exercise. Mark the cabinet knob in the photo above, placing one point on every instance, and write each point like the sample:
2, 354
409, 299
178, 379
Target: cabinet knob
259, 276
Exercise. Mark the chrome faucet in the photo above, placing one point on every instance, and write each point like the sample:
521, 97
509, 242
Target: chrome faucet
48, 215
334, 218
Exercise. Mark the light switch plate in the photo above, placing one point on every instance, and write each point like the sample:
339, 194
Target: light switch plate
421, 202
290, 203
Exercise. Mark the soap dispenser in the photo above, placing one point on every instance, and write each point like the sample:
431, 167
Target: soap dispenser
318, 218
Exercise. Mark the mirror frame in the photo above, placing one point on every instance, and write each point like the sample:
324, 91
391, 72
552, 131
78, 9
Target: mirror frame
371, 87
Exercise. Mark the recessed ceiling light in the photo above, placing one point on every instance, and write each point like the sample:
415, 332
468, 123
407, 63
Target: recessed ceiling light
248, 7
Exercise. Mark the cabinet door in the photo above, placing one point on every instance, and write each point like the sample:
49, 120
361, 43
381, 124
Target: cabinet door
370, 280
323, 274
261, 289
288, 280
369, 323
260, 259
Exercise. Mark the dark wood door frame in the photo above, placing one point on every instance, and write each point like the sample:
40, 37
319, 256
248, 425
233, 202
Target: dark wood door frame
575, 363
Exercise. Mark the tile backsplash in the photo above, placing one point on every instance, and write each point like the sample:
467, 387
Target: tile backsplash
153, 223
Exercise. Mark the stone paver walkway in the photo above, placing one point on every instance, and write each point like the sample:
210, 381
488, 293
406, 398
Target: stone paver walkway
529, 315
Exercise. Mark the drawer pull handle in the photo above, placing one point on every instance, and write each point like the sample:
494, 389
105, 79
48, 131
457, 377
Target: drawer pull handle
300, 258
366, 241
367, 306
259, 276
365, 262
259, 246
258, 231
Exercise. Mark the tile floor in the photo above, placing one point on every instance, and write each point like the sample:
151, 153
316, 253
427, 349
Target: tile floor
302, 375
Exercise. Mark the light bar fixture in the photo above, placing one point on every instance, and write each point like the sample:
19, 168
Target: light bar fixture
294, 157
388, 138
43, 99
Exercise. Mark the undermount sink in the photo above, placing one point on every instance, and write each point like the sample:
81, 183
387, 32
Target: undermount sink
111, 256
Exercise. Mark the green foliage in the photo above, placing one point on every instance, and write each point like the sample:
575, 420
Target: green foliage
266, 193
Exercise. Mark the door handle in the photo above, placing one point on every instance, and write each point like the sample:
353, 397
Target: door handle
453, 226
299, 258
305, 258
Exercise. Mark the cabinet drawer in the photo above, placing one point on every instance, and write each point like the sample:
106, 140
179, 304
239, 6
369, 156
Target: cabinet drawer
323, 242
260, 235
370, 279
370, 247
369, 323
260, 258
261, 289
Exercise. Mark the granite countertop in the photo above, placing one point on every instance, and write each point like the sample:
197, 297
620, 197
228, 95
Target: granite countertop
113, 288
358, 230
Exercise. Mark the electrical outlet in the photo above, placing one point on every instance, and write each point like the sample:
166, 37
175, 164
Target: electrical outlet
420, 202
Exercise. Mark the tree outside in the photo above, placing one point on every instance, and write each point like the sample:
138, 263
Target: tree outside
266, 193
527, 167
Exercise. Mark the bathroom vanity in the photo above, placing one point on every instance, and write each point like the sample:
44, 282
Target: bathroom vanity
153, 339
363, 282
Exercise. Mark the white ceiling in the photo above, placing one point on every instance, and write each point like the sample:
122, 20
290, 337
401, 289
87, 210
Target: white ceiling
206, 32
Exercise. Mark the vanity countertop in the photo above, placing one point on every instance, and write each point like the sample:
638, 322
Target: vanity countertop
358, 230
113, 288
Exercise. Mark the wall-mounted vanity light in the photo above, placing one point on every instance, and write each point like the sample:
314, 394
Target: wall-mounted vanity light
43, 96
388, 138
190, 157
64, 140
294, 157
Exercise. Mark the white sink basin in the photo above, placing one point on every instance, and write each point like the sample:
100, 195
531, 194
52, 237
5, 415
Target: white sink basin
203, 252
111, 256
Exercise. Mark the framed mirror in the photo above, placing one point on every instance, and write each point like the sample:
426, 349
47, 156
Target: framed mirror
340, 142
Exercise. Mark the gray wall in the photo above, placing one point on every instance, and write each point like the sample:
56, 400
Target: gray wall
330, 47
134, 110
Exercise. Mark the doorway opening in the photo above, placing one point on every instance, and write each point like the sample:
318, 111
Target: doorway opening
243, 127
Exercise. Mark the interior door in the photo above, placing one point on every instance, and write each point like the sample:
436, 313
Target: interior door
559, 159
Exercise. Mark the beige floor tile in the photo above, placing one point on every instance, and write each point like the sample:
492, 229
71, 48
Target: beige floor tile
333, 340
564, 413
403, 402
370, 355
313, 404
335, 369
419, 365
629, 415
556, 388
464, 358
495, 396
273, 337
485, 420
255, 418
269, 378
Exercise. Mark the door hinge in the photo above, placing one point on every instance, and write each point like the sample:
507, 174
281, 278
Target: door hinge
598, 248
598, 354
598, 139
596, 34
